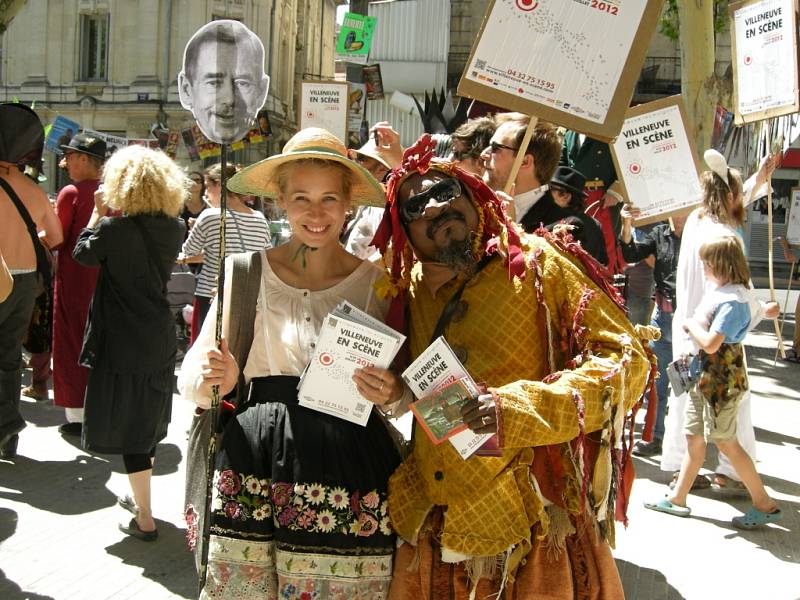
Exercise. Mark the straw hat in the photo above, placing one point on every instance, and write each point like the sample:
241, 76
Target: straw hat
260, 178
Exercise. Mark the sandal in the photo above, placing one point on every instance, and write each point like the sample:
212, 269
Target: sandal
724, 485
133, 530
791, 356
754, 518
128, 504
701, 482
668, 507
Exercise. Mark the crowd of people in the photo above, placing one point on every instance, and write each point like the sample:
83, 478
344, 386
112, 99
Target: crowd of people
521, 284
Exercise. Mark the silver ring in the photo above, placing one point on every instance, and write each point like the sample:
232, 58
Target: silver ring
486, 419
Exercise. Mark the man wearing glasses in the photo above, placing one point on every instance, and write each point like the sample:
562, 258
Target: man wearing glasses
469, 140
549, 345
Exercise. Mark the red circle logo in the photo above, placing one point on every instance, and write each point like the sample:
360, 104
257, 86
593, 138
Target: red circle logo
748, 60
635, 168
520, 90
527, 5
310, 114
326, 359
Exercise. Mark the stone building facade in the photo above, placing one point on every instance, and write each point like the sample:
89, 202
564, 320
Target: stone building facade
112, 65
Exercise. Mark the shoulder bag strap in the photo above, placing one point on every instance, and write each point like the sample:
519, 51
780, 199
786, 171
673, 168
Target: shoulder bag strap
42, 264
449, 309
245, 283
150, 246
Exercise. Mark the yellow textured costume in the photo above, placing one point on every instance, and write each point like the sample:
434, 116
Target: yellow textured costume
516, 334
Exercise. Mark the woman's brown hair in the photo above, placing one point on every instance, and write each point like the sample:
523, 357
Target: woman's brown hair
715, 197
726, 260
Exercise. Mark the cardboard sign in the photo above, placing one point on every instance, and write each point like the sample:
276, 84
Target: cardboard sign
572, 62
222, 80
656, 160
113, 142
355, 38
764, 59
793, 222
61, 133
374, 82
324, 104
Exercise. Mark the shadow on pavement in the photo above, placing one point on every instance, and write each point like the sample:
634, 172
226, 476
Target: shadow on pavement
70, 487
168, 457
8, 589
165, 561
640, 582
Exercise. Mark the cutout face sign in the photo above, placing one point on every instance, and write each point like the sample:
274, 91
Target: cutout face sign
223, 81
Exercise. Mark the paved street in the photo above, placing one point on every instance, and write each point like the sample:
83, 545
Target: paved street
59, 540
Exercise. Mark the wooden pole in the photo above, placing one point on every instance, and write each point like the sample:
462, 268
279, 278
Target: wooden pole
781, 350
512, 177
785, 307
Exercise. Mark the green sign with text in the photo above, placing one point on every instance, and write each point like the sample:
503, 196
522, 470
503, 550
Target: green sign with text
355, 38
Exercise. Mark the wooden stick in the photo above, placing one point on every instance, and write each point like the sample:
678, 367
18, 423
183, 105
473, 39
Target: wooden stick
512, 177
781, 349
785, 306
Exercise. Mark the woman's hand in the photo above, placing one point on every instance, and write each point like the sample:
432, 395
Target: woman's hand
221, 369
628, 213
100, 201
379, 386
772, 310
480, 414
387, 141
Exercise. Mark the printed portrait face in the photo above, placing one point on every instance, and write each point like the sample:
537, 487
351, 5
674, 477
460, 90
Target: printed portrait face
223, 81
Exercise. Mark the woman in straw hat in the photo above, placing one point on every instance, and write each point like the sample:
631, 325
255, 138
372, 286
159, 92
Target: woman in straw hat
299, 504
721, 214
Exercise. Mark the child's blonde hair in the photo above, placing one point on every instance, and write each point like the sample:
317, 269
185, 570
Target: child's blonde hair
725, 258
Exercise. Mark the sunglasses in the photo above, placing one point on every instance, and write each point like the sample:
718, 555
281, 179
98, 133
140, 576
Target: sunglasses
444, 192
495, 147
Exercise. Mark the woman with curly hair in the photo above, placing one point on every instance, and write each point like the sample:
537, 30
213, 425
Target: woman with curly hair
130, 344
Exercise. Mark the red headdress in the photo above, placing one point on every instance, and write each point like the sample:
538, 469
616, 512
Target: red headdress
495, 232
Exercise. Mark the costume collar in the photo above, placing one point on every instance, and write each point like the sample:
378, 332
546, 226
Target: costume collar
524, 202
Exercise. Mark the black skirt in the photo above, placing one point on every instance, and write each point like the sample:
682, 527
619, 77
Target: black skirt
126, 413
302, 478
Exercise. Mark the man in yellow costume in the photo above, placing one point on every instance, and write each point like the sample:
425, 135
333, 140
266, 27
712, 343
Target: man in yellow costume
563, 366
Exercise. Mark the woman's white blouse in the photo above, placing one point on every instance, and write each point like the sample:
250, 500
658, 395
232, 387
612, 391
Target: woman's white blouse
287, 323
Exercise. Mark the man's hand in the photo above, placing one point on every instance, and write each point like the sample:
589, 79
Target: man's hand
480, 414
629, 213
220, 369
100, 201
508, 202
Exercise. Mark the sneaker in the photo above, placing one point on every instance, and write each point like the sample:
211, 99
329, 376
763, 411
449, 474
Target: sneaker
70, 428
643, 448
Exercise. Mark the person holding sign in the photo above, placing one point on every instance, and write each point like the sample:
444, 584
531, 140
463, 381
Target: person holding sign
521, 314
721, 214
300, 496
789, 255
540, 162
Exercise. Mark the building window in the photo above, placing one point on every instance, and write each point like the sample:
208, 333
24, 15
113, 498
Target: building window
94, 47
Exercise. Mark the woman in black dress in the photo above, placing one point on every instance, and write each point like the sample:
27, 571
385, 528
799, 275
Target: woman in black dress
130, 343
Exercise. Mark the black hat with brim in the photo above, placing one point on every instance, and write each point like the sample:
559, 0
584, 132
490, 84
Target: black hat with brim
569, 179
88, 144
21, 134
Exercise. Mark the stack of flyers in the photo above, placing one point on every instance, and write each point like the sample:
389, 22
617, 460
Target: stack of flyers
349, 339
434, 370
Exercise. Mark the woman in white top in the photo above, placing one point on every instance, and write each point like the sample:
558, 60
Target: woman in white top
720, 215
246, 230
299, 505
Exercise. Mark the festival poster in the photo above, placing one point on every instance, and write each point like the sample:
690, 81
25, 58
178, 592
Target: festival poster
191, 146
173, 139
656, 160
254, 136
557, 60
61, 132
764, 58
324, 104
146, 142
374, 81
205, 147
356, 106
355, 38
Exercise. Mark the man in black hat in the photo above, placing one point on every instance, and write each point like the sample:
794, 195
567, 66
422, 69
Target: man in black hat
74, 286
21, 143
